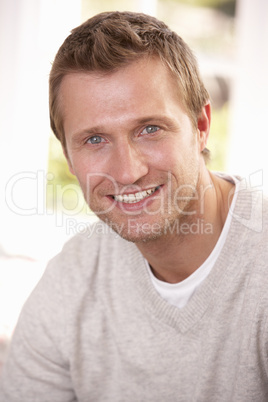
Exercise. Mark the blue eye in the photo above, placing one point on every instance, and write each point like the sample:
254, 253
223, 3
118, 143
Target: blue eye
150, 130
96, 139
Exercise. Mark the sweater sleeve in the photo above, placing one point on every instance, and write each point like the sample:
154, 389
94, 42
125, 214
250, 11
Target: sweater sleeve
37, 369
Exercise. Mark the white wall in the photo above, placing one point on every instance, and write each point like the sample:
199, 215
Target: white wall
30, 33
249, 128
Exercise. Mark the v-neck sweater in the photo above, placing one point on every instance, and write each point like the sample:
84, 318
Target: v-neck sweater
95, 329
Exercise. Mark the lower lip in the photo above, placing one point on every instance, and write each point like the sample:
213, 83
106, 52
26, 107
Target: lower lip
136, 206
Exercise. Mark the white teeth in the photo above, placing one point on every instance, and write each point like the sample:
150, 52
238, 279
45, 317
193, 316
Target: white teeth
136, 197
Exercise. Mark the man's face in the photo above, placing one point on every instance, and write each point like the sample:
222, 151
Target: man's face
132, 147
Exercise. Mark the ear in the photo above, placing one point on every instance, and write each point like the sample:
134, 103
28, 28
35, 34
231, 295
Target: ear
70, 166
203, 126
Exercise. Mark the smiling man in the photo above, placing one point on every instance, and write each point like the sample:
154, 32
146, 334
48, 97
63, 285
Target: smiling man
124, 129
165, 298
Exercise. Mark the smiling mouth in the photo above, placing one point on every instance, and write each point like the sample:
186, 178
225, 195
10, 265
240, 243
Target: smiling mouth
135, 197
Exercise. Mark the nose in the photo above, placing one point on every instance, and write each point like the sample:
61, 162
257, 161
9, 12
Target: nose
128, 164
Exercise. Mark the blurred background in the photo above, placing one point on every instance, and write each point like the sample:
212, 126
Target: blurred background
41, 205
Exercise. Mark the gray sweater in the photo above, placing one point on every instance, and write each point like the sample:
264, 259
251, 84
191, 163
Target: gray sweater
95, 329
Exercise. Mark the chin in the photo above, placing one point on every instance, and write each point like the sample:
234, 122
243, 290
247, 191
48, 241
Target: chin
143, 231
140, 237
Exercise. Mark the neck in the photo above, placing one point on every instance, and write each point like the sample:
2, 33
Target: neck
176, 255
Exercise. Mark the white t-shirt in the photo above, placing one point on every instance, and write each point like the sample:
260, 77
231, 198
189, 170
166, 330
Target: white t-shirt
178, 294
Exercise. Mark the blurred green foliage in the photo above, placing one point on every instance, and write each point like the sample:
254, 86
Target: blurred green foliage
58, 164
63, 190
218, 138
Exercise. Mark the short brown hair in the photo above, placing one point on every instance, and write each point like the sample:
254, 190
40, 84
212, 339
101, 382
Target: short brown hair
111, 40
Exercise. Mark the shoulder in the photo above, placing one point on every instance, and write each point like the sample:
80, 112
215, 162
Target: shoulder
249, 229
88, 263
96, 255
250, 210
97, 240
85, 248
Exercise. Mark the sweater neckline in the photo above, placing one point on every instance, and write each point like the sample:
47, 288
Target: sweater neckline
183, 319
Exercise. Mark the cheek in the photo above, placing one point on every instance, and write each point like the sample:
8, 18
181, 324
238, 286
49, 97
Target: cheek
87, 178
83, 166
95, 183
161, 156
167, 156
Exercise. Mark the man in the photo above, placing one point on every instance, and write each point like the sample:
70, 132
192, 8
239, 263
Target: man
165, 298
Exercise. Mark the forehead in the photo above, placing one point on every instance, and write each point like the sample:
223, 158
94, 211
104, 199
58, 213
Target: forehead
146, 72
140, 88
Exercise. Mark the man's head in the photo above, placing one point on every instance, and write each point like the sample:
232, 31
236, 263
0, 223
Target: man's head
112, 40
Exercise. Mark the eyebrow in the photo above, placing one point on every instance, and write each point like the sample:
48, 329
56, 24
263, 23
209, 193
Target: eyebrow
165, 120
